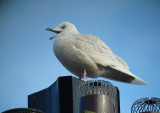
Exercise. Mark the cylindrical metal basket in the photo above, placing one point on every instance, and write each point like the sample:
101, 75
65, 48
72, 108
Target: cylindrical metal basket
97, 96
146, 105
100, 87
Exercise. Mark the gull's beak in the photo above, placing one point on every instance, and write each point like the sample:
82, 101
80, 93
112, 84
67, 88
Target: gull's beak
53, 30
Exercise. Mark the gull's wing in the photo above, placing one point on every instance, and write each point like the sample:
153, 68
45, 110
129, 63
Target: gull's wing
102, 55
97, 50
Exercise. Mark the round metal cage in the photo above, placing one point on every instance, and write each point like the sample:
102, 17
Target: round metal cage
23, 110
96, 87
146, 105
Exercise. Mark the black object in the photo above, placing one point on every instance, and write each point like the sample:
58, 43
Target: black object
23, 110
60, 97
117, 101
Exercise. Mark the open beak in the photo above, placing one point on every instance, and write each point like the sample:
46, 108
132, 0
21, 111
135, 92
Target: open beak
53, 30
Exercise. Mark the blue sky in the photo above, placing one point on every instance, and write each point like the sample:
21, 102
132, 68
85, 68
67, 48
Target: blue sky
27, 63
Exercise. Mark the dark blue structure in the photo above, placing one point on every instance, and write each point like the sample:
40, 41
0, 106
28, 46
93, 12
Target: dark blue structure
60, 97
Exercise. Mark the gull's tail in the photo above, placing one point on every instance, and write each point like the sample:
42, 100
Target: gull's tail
122, 76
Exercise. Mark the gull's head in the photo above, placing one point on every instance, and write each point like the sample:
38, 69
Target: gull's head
63, 28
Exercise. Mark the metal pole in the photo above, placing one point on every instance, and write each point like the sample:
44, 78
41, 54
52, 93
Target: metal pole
97, 97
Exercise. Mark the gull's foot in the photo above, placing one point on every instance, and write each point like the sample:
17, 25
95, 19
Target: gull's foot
84, 75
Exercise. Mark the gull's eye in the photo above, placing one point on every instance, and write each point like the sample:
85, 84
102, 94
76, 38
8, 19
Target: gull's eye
63, 27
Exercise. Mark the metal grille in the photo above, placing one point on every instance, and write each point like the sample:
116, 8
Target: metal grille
23, 110
146, 105
92, 87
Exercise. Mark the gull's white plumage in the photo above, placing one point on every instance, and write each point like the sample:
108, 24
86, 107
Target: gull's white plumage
78, 52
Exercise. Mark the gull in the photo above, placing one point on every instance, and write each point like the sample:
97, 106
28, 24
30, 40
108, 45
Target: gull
87, 55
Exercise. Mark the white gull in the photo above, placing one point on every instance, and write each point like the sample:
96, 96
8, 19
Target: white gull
84, 54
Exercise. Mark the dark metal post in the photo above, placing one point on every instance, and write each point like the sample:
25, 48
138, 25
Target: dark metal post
97, 97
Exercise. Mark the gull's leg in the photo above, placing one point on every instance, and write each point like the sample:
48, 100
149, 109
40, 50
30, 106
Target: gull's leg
84, 75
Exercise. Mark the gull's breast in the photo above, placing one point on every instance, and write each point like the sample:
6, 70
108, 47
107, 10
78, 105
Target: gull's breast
73, 59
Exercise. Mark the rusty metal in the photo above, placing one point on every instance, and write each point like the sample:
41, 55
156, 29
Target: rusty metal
146, 105
97, 96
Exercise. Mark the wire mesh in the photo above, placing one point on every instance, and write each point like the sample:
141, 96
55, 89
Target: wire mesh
23, 110
92, 87
146, 105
